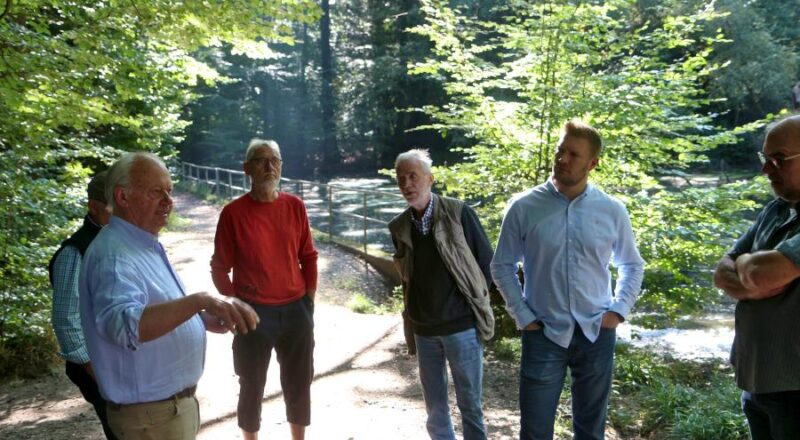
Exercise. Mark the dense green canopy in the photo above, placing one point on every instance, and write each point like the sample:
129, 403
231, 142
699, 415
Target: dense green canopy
79, 82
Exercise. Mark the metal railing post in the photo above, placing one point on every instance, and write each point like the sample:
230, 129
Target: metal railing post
216, 181
230, 185
365, 223
330, 213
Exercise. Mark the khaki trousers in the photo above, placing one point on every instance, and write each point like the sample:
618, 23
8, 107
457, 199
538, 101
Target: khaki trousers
172, 419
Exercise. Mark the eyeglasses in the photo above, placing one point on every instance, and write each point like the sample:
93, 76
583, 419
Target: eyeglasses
261, 161
775, 161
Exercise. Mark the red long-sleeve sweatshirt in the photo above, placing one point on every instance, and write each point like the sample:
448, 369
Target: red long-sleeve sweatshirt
270, 249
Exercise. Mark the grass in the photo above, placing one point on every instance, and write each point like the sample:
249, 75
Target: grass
177, 223
657, 397
360, 303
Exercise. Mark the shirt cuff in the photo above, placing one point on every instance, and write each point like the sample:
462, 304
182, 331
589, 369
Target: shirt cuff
79, 356
524, 317
621, 309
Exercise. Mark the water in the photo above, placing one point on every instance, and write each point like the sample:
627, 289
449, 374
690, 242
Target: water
705, 338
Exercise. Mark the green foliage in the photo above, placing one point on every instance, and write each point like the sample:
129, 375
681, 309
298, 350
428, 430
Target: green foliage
394, 304
678, 399
682, 234
759, 68
79, 82
359, 303
506, 349
513, 83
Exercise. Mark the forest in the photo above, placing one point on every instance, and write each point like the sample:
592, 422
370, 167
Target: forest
678, 89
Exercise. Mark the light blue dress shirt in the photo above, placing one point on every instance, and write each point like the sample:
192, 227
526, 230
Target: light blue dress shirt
565, 248
124, 270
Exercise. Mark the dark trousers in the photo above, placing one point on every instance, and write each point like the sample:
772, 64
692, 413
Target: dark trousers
289, 329
86, 383
772, 416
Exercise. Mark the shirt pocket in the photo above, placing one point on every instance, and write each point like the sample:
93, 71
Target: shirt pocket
598, 238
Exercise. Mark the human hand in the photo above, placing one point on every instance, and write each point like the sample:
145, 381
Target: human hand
89, 370
231, 314
533, 326
611, 320
212, 323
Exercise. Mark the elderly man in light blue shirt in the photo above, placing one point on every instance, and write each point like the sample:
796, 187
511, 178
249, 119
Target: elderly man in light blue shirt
145, 335
566, 232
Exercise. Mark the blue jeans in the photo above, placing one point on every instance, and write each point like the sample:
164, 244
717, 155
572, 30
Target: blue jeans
772, 416
464, 353
542, 373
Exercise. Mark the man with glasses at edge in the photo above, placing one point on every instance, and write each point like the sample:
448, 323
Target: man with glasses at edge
265, 238
760, 272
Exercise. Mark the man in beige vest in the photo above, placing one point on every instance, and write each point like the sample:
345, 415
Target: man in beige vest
443, 258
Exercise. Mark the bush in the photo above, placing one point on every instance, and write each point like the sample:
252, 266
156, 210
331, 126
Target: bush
359, 303
27, 343
653, 393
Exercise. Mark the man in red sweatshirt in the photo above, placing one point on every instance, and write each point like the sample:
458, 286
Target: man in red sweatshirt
265, 237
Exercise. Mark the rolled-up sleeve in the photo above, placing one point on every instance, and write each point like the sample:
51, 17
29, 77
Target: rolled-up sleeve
791, 249
118, 300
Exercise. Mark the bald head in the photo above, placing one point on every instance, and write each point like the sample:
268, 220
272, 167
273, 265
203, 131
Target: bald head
788, 127
781, 158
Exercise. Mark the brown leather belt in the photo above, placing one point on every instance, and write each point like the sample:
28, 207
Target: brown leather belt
188, 392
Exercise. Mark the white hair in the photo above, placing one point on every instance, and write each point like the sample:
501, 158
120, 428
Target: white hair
420, 155
258, 143
120, 173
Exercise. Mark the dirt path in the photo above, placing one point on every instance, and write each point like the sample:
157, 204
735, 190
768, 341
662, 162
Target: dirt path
365, 386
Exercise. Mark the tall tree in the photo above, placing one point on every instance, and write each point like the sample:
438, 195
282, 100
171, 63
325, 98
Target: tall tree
513, 83
330, 147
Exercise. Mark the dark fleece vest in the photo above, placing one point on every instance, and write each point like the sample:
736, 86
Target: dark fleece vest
80, 240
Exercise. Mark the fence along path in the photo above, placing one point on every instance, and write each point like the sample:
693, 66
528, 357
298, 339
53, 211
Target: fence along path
346, 211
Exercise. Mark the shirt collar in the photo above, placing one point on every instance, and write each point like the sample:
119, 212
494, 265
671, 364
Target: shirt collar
551, 187
423, 225
139, 236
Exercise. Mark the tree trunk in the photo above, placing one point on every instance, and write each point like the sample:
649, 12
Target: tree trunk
330, 149
302, 139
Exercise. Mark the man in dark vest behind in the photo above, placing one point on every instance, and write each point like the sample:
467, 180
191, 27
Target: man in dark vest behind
65, 266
